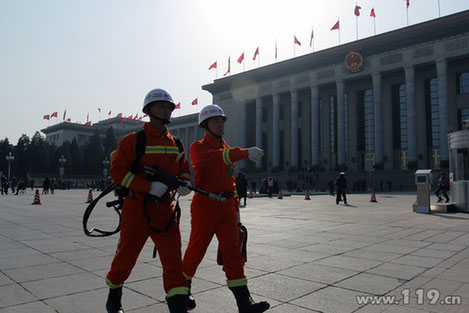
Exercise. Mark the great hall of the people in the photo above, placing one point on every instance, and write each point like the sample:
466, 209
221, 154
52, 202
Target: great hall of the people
382, 103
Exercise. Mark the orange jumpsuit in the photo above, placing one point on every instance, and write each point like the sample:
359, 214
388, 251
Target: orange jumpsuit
161, 150
213, 164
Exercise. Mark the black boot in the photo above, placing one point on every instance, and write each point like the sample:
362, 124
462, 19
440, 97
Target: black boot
113, 303
245, 303
177, 304
190, 299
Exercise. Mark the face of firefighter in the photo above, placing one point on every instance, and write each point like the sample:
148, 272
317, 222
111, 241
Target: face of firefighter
217, 125
161, 110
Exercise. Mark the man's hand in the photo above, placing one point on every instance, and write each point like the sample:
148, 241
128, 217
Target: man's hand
255, 154
158, 189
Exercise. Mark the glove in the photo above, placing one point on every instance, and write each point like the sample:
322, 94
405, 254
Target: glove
255, 154
184, 190
158, 189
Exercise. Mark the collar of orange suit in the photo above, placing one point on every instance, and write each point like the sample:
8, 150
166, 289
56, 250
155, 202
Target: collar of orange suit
153, 131
215, 143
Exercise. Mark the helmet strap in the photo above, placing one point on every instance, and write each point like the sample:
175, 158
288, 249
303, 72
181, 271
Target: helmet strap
211, 133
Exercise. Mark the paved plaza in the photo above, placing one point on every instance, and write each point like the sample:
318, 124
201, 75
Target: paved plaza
303, 256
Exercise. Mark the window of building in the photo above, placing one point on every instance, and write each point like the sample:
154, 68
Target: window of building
463, 83
346, 123
433, 116
321, 141
369, 128
463, 115
333, 128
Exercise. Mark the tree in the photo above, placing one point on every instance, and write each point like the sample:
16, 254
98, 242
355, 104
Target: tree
109, 143
23, 162
93, 155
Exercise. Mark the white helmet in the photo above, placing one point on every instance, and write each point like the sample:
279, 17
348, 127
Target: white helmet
157, 95
209, 111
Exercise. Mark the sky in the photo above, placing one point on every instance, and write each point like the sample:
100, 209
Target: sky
74, 57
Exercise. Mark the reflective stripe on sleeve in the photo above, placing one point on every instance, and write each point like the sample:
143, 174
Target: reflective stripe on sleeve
178, 291
237, 282
226, 156
128, 179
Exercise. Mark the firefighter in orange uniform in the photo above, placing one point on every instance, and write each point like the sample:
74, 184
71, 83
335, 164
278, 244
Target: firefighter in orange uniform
213, 163
161, 150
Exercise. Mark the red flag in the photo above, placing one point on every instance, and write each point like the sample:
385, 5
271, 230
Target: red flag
407, 3
229, 68
123, 120
69, 119
109, 113
136, 116
54, 114
296, 41
178, 106
119, 115
145, 115
88, 117
88, 123
214, 65
195, 102
46, 117
357, 10
256, 53
336, 26
129, 117
241, 58
65, 113
372, 13
311, 39
140, 118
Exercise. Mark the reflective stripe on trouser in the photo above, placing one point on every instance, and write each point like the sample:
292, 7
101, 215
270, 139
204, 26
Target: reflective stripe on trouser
211, 217
134, 233
178, 291
237, 282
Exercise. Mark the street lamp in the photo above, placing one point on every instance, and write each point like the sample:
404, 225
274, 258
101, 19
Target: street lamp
62, 162
9, 159
106, 163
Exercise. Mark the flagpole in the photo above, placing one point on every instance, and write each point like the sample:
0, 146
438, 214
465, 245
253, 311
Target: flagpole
407, 12
244, 63
294, 45
275, 49
216, 70
374, 24
439, 13
339, 30
356, 20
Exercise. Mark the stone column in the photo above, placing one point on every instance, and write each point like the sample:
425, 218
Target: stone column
276, 131
378, 120
340, 125
441, 70
259, 128
315, 126
294, 128
411, 116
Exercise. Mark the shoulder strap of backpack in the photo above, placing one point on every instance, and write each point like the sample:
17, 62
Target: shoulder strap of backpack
179, 144
139, 150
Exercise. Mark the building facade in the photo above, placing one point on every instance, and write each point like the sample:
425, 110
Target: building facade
385, 102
